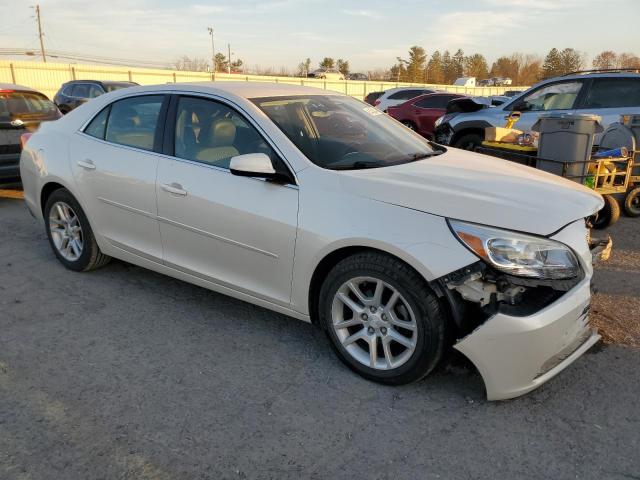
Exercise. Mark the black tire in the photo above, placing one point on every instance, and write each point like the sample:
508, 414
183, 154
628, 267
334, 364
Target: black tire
91, 257
608, 215
632, 203
469, 141
410, 125
430, 321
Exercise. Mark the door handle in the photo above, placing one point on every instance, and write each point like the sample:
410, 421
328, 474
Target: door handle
174, 188
86, 164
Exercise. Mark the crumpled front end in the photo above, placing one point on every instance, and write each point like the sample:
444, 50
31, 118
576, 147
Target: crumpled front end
530, 332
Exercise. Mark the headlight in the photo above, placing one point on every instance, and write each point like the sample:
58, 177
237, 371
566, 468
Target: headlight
516, 253
438, 121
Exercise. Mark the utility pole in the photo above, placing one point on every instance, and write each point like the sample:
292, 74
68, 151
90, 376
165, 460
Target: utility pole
213, 50
40, 34
229, 58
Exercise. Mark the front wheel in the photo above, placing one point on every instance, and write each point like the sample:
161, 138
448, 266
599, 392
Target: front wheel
70, 234
381, 318
469, 141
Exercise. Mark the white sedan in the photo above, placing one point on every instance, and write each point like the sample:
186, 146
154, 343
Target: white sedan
318, 206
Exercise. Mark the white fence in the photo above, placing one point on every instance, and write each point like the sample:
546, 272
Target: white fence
47, 78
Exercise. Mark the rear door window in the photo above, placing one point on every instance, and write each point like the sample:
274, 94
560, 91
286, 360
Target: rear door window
613, 93
405, 94
133, 121
434, 102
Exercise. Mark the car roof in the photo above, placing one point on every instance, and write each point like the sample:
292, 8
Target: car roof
14, 86
239, 89
573, 76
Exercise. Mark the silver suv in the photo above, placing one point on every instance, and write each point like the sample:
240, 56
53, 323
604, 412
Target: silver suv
607, 94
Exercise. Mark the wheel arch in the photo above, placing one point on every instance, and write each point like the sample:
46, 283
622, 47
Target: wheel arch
332, 258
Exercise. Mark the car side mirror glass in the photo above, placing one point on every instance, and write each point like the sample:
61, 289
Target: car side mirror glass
521, 106
253, 165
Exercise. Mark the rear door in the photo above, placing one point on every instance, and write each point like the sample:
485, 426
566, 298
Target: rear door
609, 97
428, 110
114, 163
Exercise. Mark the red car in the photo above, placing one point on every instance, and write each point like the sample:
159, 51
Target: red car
420, 113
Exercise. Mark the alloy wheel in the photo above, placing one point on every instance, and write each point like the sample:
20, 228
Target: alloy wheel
374, 323
66, 231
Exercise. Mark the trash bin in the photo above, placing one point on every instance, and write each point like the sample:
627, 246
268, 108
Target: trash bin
566, 137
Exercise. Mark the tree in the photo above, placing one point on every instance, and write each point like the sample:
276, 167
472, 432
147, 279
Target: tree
605, 60
552, 65
457, 64
476, 66
529, 70
221, 62
343, 67
399, 71
447, 68
236, 66
571, 60
327, 63
435, 70
628, 60
416, 64
304, 67
190, 64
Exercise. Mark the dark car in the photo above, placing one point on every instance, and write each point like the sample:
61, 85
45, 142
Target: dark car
359, 76
22, 109
76, 92
420, 113
372, 97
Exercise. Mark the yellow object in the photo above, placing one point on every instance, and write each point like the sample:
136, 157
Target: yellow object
509, 146
512, 119
499, 134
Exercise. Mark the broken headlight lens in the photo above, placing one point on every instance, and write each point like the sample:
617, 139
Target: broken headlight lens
516, 253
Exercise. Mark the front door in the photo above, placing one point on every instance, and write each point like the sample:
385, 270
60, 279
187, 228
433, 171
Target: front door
115, 166
555, 97
236, 231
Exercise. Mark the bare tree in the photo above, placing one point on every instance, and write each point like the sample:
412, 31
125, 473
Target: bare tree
186, 63
605, 60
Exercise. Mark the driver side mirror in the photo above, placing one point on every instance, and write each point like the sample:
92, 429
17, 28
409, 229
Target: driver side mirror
256, 165
520, 106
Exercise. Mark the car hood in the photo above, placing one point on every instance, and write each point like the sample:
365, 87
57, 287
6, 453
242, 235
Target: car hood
478, 188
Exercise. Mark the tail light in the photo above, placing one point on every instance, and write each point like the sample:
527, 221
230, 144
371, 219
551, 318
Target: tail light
376, 103
24, 138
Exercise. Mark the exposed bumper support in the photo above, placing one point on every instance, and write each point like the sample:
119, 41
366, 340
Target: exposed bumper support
515, 355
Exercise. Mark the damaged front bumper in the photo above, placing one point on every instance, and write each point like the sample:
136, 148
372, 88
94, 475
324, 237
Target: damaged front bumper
515, 354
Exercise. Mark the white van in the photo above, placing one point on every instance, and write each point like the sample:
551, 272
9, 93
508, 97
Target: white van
465, 82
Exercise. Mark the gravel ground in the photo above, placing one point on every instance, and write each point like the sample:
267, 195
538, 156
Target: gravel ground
126, 374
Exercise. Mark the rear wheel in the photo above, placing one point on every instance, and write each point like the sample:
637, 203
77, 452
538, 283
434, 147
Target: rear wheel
632, 203
469, 141
70, 234
608, 215
409, 125
382, 319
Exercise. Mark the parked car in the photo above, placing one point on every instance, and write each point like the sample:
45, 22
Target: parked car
326, 74
359, 76
76, 92
465, 82
396, 96
420, 113
22, 109
605, 94
484, 83
372, 97
304, 202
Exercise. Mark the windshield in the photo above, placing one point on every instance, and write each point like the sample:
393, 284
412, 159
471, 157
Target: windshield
26, 105
340, 132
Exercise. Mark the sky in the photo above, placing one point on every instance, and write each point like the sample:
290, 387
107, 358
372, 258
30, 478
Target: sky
368, 33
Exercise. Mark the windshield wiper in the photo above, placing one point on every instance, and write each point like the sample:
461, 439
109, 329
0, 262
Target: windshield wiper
357, 166
419, 156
